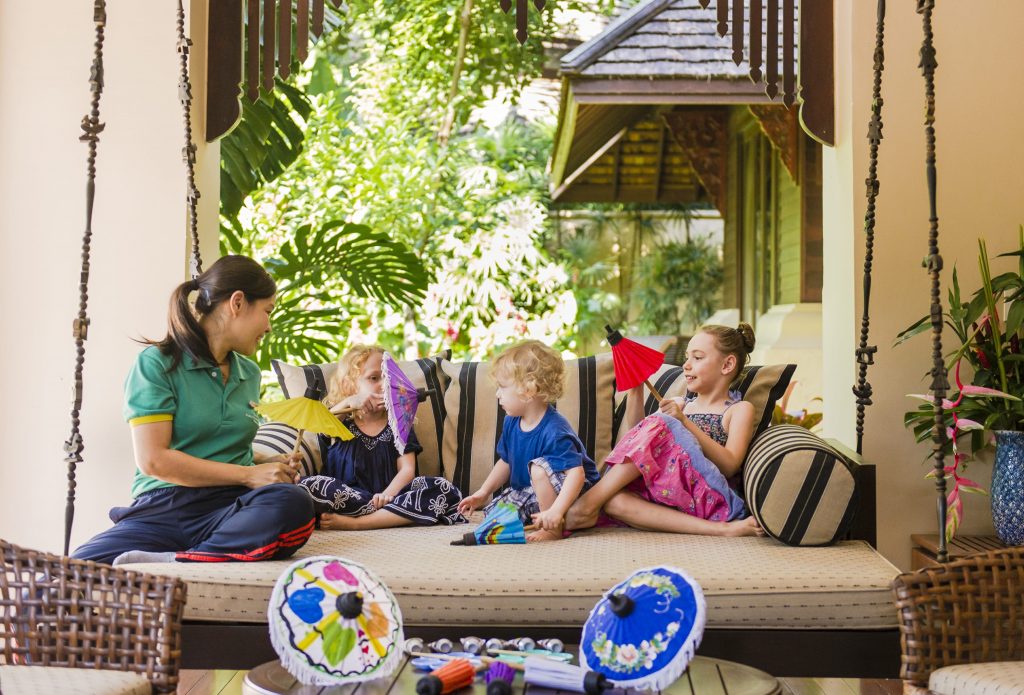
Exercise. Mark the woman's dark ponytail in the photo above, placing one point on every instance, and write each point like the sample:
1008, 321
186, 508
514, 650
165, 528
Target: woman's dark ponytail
230, 274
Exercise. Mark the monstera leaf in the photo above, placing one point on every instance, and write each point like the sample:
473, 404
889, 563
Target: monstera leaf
267, 140
314, 267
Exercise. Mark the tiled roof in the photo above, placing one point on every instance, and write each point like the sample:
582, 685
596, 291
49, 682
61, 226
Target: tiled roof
662, 39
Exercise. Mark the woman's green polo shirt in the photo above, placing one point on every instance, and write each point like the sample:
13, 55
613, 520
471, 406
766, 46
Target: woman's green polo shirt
210, 419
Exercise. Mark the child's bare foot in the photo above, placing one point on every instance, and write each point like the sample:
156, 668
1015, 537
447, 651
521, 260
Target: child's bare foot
744, 527
336, 522
542, 535
580, 516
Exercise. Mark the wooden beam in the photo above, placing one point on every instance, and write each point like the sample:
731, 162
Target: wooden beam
670, 195
817, 72
616, 164
668, 91
661, 159
269, 34
576, 173
223, 67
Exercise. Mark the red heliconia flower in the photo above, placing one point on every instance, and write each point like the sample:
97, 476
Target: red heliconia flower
982, 359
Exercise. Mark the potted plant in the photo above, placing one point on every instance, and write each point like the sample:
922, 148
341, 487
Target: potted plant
988, 357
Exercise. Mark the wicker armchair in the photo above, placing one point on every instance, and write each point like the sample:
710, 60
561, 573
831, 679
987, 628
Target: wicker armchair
964, 612
55, 611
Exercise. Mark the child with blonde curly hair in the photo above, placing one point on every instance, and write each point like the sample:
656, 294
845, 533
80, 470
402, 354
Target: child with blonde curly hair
365, 483
540, 456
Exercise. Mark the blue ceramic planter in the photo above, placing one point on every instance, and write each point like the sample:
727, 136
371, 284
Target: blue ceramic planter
1008, 488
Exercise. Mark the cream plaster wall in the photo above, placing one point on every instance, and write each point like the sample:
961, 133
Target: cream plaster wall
138, 250
980, 100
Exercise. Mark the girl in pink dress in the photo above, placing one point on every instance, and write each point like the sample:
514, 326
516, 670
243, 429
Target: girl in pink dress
672, 470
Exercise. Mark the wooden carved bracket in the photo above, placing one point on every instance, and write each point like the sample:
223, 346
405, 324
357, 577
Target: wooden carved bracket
780, 125
703, 136
816, 87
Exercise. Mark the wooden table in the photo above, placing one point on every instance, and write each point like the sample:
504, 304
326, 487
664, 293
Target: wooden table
924, 547
705, 676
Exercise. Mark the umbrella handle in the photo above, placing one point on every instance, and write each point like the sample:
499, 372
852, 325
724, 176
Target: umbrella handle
654, 391
298, 442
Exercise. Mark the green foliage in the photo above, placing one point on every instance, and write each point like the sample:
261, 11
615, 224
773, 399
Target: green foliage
677, 284
991, 346
311, 262
472, 209
266, 141
592, 268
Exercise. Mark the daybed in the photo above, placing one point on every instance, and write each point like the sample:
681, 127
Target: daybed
810, 611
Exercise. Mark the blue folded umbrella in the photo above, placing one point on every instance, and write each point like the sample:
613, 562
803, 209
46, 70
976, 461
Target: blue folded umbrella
501, 525
645, 630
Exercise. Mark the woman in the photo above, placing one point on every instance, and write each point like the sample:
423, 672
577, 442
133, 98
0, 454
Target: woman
199, 495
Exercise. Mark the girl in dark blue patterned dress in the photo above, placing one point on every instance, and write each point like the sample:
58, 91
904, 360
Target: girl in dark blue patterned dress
365, 482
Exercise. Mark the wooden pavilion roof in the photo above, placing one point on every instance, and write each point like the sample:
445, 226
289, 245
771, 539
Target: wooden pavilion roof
615, 140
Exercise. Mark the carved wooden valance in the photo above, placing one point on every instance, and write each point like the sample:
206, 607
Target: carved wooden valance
268, 28
703, 136
779, 123
759, 42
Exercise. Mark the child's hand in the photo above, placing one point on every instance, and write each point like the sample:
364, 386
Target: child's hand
671, 407
549, 520
474, 501
380, 499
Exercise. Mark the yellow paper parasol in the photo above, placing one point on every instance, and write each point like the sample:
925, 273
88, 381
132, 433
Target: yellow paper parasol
305, 412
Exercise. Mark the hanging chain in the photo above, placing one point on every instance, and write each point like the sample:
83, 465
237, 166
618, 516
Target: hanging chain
940, 383
866, 353
91, 129
188, 153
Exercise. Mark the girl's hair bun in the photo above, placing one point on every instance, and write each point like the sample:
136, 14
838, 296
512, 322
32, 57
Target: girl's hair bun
746, 332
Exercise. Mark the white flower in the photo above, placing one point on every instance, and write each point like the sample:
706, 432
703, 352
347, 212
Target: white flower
628, 655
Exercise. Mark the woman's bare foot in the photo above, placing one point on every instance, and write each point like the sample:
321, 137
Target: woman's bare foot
542, 535
580, 516
744, 527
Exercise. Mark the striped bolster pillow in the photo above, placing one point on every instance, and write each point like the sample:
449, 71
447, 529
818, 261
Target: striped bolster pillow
473, 418
278, 438
760, 386
800, 490
424, 373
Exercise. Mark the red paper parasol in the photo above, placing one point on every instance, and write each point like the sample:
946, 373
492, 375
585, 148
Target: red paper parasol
634, 363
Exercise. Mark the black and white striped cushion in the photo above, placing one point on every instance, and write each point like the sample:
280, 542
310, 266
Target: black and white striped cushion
424, 373
800, 490
473, 418
278, 438
760, 386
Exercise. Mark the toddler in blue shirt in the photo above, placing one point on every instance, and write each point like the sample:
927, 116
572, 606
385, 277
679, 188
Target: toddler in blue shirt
540, 456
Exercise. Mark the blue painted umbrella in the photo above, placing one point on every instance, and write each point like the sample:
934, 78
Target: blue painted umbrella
644, 632
333, 621
501, 525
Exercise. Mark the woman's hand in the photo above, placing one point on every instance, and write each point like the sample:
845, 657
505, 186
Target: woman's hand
289, 458
474, 501
269, 473
380, 499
